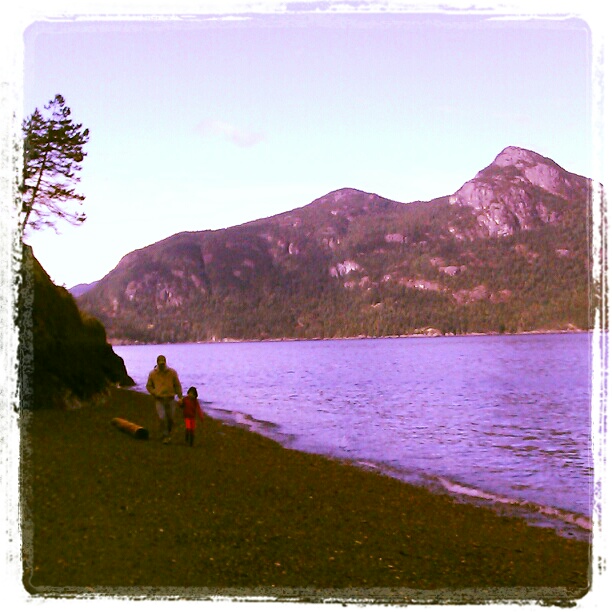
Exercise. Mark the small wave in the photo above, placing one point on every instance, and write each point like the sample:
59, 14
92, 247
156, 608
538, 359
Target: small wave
249, 422
566, 523
242, 418
537, 512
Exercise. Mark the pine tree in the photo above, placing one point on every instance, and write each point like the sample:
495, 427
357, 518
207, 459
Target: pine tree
53, 151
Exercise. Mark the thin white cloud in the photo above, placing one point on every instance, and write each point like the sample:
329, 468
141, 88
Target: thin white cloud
241, 137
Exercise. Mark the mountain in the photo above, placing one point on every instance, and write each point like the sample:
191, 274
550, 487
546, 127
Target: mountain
508, 252
82, 288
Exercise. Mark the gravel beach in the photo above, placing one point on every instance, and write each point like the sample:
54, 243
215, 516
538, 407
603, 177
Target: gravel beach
239, 516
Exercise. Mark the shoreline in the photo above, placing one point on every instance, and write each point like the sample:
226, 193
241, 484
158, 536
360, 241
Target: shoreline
567, 523
238, 515
119, 342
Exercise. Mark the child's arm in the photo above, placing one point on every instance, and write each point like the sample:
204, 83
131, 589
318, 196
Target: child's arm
200, 411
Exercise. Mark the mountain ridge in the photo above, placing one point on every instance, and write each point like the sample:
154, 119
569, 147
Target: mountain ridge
352, 263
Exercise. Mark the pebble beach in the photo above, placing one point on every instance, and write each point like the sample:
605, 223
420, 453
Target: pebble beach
107, 513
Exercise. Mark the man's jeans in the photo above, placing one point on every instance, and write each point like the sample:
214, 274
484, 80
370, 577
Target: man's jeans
165, 411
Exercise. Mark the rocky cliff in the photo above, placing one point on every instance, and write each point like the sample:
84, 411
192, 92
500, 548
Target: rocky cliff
64, 356
509, 251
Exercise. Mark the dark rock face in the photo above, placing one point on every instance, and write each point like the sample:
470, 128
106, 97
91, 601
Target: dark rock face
64, 357
508, 251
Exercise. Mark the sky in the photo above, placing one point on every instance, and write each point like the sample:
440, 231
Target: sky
209, 121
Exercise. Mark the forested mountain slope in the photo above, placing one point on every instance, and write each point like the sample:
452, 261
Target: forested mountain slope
508, 252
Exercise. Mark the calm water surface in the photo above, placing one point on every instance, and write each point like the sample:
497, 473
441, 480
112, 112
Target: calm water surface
503, 418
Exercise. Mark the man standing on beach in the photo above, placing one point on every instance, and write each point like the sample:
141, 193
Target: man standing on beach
163, 384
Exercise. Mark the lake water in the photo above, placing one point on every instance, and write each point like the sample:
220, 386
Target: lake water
504, 420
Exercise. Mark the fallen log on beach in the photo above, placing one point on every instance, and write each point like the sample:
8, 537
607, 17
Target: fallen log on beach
136, 431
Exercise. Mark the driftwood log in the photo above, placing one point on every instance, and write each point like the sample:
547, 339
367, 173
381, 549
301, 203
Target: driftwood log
136, 431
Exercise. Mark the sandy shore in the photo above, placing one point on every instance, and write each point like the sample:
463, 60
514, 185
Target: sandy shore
238, 515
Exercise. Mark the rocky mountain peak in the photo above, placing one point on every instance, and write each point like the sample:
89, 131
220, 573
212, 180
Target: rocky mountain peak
348, 203
344, 193
347, 196
542, 172
518, 157
513, 192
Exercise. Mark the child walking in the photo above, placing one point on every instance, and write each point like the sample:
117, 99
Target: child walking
191, 410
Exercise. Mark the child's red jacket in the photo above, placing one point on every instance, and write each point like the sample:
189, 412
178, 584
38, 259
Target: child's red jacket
191, 408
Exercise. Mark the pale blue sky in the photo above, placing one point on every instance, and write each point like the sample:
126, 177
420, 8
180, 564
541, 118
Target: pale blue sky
207, 124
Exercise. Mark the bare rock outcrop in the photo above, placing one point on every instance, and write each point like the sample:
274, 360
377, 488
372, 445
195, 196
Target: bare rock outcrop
514, 192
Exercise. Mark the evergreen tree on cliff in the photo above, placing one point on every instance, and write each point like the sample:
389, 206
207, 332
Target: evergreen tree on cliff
64, 356
53, 152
